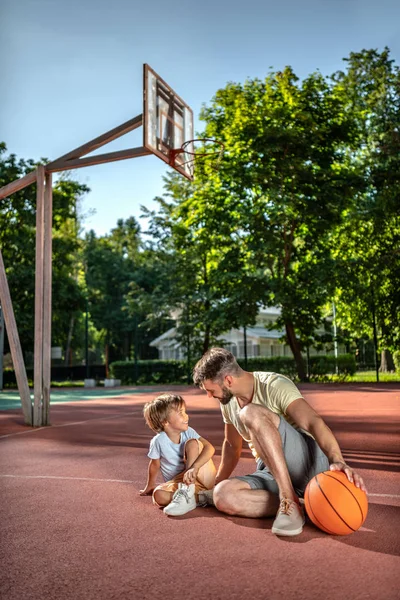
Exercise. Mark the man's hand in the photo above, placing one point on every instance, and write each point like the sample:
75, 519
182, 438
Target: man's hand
191, 475
147, 491
352, 476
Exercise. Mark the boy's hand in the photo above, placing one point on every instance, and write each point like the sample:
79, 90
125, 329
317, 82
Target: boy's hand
147, 491
191, 475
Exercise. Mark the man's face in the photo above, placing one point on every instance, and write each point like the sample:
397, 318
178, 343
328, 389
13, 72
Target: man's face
219, 392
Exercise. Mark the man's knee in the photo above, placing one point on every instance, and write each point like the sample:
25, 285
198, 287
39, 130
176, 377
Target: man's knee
257, 418
225, 495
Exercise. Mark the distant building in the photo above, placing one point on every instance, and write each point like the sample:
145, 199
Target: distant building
260, 340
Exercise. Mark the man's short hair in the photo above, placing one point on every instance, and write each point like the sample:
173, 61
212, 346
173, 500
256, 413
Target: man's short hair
214, 365
157, 411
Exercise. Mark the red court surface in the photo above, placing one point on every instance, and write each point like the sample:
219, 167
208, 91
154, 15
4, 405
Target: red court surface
73, 525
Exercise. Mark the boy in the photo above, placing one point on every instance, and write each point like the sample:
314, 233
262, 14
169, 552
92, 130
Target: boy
182, 455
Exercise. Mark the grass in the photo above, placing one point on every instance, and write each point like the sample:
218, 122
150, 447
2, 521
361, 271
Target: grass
368, 376
363, 377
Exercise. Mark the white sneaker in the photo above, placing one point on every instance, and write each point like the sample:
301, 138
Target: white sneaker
206, 498
183, 501
289, 519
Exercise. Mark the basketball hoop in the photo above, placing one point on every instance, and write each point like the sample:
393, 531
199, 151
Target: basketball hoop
197, 150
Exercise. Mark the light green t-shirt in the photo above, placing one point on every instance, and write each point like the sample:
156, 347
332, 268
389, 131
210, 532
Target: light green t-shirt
272, 390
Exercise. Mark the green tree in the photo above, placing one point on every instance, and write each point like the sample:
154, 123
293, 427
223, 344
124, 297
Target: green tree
284, 184
368, 242
200, 262
17, 240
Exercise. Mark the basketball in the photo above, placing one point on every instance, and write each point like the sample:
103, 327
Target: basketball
334, 504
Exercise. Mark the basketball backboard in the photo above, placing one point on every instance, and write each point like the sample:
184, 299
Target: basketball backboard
167, 123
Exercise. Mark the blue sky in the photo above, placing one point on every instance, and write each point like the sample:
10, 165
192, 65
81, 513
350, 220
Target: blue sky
71, 71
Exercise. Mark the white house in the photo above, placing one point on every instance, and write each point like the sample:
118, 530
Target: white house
260, 340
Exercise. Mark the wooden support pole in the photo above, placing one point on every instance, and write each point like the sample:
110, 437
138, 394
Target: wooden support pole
17, 185
47, 278
15, 346
38, 348
97, 159
103, 139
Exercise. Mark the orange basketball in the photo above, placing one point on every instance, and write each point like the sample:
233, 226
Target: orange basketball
334, 504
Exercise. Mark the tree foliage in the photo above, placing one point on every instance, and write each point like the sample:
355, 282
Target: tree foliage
368, 243
17, 240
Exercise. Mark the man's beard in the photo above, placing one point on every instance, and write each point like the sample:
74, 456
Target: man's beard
226, 396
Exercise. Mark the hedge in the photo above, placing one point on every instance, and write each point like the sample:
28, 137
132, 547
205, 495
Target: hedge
320, 366
150, 371
396, 360
176, 371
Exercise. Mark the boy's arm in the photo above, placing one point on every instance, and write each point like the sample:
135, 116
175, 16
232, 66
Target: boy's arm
154, 467
193, 468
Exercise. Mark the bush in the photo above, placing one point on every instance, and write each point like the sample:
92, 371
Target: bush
153, 372
271, 364
396, 360
320, 366
150, 371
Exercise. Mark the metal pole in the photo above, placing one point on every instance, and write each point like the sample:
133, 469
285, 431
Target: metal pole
335, 344
15, 345
87, 338
245, 346
375, 337
136, 349
188, 356
47, 289
1, 347
39, 278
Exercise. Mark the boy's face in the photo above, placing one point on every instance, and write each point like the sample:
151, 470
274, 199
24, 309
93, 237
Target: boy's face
178, 420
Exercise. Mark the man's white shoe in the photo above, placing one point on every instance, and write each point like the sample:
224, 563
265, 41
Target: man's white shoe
289, 519
183, 501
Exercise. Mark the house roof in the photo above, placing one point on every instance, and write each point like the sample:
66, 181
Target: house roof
262, 332
252, 332
164, 336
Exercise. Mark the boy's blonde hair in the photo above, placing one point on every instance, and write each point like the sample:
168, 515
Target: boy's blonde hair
157, 411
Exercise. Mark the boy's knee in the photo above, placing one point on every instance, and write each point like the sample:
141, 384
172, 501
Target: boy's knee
193, 445
161, 498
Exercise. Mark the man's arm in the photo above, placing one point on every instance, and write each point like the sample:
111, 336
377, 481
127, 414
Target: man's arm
231, 450
306, 418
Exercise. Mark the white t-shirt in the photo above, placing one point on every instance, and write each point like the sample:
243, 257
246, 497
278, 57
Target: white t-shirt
271, 390
171, 455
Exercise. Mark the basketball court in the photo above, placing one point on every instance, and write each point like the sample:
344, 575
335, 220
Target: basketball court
74, 525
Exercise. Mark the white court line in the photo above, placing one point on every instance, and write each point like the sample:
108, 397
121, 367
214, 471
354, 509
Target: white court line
68, 478
385, 495
49, 428
126, 481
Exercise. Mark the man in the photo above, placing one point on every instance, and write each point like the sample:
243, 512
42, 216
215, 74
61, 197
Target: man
289, 440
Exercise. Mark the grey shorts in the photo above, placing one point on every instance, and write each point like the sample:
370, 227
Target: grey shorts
304, 459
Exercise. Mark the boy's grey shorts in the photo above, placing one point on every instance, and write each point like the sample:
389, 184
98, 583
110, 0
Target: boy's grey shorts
304, 459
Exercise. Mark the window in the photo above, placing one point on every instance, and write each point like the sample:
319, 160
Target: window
249, 346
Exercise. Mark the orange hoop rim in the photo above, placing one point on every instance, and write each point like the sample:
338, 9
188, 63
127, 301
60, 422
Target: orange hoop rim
195, 155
